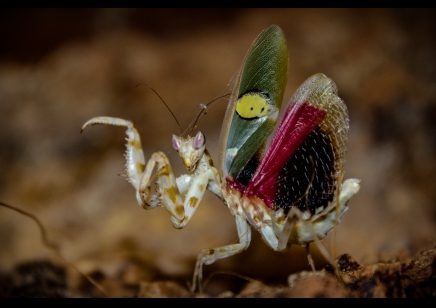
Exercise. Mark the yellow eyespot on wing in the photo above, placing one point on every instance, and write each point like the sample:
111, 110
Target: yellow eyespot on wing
252, 105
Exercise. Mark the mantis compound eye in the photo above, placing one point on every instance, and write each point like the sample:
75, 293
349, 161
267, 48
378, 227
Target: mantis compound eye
176, 143
199, 140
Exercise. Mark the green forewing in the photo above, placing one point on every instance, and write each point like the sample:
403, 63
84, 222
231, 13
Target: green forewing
265, 70
266, 67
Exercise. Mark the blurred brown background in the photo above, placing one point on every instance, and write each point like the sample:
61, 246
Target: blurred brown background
60, 67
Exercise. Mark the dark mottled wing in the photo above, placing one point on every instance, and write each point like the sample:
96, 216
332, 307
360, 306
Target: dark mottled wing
302, 165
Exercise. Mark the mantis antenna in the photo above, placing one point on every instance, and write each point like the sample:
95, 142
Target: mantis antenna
144, 84
203, 110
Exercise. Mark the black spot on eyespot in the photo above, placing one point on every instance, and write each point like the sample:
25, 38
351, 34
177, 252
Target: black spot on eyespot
263, 108
251, 108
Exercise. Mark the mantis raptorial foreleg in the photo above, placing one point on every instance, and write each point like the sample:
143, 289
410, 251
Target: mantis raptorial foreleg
169, 189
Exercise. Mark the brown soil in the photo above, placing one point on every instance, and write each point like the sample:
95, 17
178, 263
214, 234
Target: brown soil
416, 278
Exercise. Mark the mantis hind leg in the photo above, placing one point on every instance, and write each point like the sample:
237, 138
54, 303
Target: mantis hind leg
209, 256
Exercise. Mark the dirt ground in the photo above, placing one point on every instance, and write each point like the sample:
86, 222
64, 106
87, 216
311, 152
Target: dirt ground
59, 68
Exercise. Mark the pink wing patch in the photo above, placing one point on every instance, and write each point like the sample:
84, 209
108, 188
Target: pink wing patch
306, 154
299, 120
